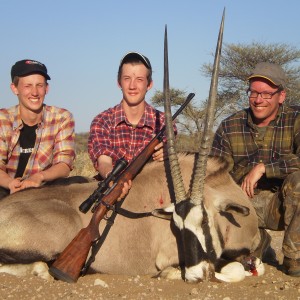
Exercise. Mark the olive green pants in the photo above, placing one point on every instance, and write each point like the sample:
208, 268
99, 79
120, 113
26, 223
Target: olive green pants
281, 211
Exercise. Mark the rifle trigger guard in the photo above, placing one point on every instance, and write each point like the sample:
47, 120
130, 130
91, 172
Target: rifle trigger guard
108, 207
107, 216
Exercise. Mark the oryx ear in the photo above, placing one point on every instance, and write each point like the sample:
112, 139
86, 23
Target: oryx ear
164, 213
235, 208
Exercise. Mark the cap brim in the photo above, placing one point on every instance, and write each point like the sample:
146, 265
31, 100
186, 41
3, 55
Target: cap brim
35, 72
261, 76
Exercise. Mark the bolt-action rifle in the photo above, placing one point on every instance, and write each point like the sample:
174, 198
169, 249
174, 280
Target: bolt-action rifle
103, 187
67, 267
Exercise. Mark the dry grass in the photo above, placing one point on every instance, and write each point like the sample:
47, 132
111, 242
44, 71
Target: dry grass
83, 166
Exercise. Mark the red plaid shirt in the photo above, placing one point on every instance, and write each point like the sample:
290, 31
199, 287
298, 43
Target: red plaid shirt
54, 140
111, 133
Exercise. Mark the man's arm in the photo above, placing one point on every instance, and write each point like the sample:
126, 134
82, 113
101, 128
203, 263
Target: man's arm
99, 142
63, 154
221, 147
64, 143
12, 184
105, 166
250, 180
59, 170
15, 184
289, 160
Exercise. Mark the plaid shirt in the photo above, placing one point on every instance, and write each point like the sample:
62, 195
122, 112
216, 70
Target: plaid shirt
111, 133
54, 140
244, 145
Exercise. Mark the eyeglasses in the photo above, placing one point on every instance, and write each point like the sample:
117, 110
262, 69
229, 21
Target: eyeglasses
264, 95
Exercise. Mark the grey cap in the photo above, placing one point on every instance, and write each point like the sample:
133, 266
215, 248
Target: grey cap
270, 71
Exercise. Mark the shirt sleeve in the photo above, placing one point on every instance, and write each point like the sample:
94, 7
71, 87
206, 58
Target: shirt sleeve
289, 163
3, 146
221, 146
99, 139
8, 139
64, 148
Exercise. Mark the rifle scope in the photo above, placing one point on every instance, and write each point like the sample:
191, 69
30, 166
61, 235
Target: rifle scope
103, 185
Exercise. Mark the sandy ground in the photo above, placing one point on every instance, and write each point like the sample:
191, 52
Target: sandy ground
273, 285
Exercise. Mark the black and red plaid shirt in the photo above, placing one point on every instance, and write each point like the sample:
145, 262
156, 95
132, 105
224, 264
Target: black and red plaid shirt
113, 135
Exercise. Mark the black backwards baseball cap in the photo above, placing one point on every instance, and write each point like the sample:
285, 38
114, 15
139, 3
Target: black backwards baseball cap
135, 55
271, 72
28, 66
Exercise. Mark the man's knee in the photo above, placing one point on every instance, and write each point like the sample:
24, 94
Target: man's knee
268, 207
291, 188
261, 203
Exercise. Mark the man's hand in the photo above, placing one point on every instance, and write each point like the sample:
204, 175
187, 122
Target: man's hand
251, 179
34, 180
125, 190
15, 185
160, 152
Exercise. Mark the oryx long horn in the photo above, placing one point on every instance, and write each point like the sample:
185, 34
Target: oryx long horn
179, 189
197, 192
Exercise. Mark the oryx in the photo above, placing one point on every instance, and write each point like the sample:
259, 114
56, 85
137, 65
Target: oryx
216, 222
212, 226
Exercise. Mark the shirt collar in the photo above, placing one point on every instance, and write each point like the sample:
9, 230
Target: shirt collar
18, 123
147, 119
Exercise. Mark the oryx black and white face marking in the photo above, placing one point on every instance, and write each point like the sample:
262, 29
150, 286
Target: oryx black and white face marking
200, 240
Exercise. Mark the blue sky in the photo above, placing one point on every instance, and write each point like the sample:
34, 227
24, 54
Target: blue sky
82, 42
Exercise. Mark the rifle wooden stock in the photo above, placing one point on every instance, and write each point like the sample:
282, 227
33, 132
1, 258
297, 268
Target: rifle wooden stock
68, 265
70, 262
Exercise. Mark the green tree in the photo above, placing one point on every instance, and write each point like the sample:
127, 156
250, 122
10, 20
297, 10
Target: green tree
190, 119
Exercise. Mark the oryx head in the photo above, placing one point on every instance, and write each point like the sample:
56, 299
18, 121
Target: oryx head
190, 214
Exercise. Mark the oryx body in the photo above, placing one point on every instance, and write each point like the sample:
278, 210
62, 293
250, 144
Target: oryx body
37, 224
213, 221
